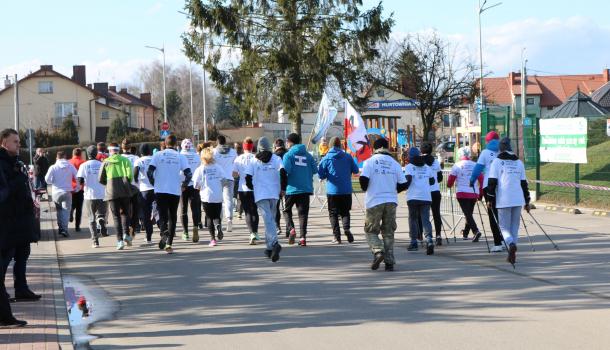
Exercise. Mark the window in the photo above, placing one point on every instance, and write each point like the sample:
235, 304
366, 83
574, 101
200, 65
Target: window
45, 87
380, 93
105, 115
550, 108
530, 100
62, 109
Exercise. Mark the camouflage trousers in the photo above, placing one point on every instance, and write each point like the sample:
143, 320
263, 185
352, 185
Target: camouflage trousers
381, 219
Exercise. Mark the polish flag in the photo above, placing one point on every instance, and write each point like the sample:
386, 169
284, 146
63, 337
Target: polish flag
356, 135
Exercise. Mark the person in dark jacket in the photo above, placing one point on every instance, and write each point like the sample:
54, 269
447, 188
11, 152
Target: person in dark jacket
18, 224
279, 149
435, 190
41, 166
337, 168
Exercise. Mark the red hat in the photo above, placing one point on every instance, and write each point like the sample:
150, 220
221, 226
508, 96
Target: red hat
248, 146
492, 135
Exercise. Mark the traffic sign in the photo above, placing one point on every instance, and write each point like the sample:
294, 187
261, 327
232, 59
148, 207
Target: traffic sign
165, 126
196, 133
165, 133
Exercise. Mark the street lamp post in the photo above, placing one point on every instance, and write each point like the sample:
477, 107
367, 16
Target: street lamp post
482, 9
162, 49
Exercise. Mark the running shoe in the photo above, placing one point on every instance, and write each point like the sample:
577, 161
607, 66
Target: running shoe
128, 239
268, 253
292, 236
350, 237
465, 236
302, 242
413, 247
212, 243
252, 239
439, 241
219, 233
512, 254
95, 244
120, 245
230, 226
336, 241
168, 249
430, 247
256, 236
185, 236
377, 260
275, 252
476, 237
389, 267
497, 249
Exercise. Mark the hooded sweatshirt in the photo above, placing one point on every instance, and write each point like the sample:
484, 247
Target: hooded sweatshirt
224, 156
300, 167
60, 175
484, 162
266, 176
116, 174
337, 168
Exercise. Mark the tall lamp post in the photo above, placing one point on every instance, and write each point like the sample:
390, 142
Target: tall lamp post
162, 49
482, 9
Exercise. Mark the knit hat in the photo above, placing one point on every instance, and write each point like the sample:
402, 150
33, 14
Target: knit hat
505, 145
492, 135
414, 152
248, 146
264, 144
187, 145
464, 152
380, 143
92, 152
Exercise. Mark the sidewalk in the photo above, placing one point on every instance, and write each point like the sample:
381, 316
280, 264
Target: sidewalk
47, 319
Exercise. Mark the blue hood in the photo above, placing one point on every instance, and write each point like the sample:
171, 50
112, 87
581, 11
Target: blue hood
300, 168
297, 150
337, 168
493, 145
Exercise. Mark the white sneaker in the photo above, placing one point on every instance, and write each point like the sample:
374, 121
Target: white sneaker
252, 239
120, 245
230, 226
496, 249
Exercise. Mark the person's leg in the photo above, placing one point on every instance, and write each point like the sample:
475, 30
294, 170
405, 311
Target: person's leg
195, 202
90, 208
436, 212
388, 227
173, 202
333, 215
66, 206
303, 212
77, 202
278, 215
267, 208
413, 223
504, 218
146, 200
467, 206
115, 209
344, 208
424, 212
289, 202
250, 209
515, 222
207, 208
372, 226
493, 214
22, 253
227, 199
184, 206
163, 209
6, 314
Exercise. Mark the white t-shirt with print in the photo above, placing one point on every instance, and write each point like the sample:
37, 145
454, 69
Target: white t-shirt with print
266, 178
90, 171
208, 179
384, 174
225, 161
132, 159
435, 168
509, 174
462, 171
194, 162
485, 159
420, 188
143, 182
241, 164
168, 163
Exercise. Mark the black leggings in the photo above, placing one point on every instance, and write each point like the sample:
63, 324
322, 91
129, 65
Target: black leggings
121, 213
436, 212
191, 195
493, 217
146, 202
167, 205
301, 200
76, 212
467, 205
339, 205
212, 216
249, 206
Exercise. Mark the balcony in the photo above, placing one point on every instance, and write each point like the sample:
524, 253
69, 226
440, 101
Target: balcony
57, 122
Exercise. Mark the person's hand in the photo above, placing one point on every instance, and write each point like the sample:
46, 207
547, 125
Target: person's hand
527, 207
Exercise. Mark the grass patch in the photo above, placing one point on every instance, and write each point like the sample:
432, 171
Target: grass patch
596, 172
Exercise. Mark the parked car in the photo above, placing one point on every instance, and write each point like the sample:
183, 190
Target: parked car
445, 152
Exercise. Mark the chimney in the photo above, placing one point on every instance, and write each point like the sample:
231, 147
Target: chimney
112, 88
606, 74
145, 96
46, 67
101, 88
7, 82
79, 75
512, 76
123, 91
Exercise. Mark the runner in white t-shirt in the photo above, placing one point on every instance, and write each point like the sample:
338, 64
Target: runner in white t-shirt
164, 173
419, 181
246, 195
147, 191
224, 156
268, 180
382, 179
507, 182
207, 179
94, 192
190, 194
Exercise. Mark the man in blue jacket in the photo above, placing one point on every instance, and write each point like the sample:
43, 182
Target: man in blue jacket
337, 168
300, 168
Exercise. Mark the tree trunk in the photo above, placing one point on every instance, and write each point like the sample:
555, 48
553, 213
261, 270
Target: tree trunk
295, 116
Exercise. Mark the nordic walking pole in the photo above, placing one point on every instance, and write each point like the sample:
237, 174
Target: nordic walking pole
543, 231
482, 224
528, 234
445, 231
493, 214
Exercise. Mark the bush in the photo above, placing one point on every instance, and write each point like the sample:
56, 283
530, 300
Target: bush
597, 132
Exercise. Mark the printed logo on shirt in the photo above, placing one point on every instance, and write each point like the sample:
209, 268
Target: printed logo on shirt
300, 160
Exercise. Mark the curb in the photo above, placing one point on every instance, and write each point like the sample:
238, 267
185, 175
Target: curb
563, 209
601, 213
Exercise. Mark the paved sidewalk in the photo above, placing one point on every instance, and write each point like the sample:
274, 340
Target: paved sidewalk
47, 319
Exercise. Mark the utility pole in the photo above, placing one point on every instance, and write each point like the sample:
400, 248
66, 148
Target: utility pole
205, 117
162, 49
191, 89
16, 103
482, 9
523, 98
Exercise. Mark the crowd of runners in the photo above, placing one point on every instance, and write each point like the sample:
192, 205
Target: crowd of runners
269, 179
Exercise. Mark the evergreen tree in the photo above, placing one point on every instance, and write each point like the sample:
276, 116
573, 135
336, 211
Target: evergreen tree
287, 49
118, 130
69, 131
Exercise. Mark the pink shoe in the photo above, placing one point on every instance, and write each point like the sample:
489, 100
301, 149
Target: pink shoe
212, 243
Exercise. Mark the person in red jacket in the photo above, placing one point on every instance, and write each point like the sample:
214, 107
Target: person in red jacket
77, 195
467, 196
102, 152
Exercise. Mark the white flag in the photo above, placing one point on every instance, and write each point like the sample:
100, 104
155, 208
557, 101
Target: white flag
326, 115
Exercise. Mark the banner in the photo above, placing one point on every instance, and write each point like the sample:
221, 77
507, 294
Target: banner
563, 140
326, 115
356, 134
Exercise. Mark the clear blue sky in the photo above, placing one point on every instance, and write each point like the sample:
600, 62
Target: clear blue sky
109, 36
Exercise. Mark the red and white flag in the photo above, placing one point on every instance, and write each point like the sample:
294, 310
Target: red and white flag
356, 134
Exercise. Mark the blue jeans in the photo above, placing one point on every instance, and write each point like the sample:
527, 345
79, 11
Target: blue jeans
63, 205
267, 208
509, 223
419, 209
